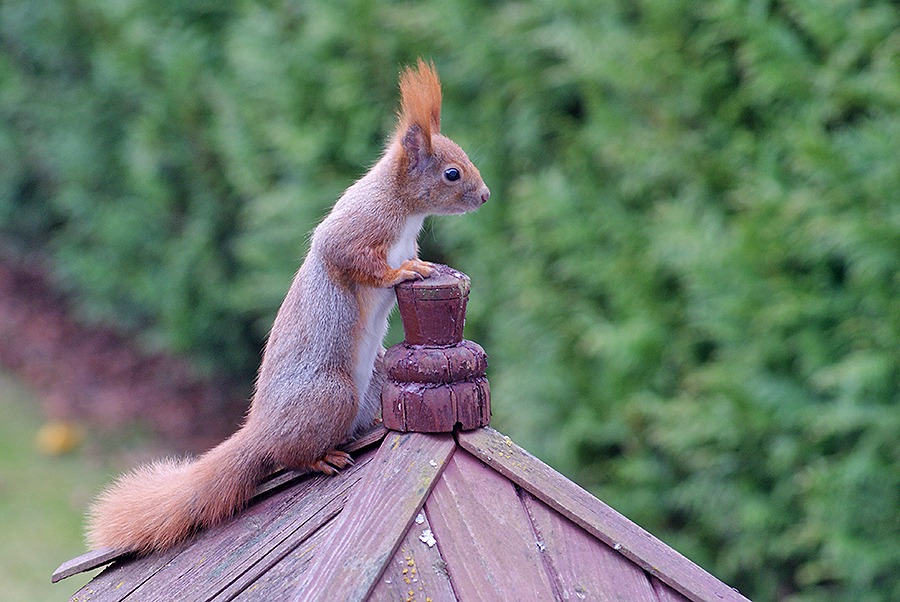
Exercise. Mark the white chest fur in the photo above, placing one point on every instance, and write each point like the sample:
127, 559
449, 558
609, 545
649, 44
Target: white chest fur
378, 303
405, 247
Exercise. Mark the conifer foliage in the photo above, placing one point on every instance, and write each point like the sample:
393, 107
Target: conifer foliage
686, 276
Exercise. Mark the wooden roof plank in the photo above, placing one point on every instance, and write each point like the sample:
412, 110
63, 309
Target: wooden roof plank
273, 555
282, 478
484, 536
201, 567
579, 506
86, 562
584, 567
664, 593
417, 571
227, 553
281, 581
94, 559
123, 578
377, 516
97, 558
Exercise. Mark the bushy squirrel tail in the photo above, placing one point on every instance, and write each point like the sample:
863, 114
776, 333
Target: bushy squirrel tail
156, 506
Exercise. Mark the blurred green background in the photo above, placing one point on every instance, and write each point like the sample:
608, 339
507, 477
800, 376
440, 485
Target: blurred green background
43, 497
687, 276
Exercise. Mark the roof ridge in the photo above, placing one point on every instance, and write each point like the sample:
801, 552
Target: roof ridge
377, 515
564, 496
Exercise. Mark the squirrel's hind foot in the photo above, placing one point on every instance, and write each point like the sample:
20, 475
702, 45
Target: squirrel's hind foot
332, 462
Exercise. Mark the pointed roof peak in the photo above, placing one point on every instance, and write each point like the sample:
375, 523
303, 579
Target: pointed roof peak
445, 516
440, 507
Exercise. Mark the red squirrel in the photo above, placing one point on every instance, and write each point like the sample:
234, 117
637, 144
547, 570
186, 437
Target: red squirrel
320, 379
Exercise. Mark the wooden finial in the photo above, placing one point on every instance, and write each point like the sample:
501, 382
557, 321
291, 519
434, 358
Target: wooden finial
436, 380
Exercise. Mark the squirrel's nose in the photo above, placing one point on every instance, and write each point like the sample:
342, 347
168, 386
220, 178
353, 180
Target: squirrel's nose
485, 194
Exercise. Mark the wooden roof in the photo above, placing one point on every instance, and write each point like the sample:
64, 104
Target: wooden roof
461, 516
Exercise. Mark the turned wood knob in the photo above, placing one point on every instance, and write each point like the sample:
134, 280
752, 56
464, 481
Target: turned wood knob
433, 310
435, 380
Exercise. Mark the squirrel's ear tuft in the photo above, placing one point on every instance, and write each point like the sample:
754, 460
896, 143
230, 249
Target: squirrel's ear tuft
420, 101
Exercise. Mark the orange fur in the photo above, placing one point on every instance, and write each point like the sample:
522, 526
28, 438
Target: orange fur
420, 99
155, 507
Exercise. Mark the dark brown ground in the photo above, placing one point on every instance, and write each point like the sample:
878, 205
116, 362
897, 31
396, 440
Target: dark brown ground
100, 377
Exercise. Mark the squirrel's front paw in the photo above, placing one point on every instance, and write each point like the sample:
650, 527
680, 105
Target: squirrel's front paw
412, 269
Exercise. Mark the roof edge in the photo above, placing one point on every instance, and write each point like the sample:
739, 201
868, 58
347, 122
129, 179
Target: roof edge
575, 503
94, 559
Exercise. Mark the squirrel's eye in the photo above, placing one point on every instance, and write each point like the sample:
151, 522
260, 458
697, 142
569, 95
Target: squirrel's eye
451, 174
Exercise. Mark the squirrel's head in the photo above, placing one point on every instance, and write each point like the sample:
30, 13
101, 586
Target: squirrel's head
434, 172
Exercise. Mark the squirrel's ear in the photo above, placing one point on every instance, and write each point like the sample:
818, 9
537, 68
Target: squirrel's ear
420, 109
415, 144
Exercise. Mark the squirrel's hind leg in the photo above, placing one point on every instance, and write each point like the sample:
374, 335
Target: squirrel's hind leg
370, 403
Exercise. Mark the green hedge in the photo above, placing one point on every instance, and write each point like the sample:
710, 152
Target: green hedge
686, 277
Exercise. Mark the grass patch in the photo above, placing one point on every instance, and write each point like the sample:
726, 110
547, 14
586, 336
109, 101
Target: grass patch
42, 500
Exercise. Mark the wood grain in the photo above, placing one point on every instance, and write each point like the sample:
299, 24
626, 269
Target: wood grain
282, 580
227, 554
124, 577
86, 562
97, 558
484, 535
598, 519
582, 566
664, 593
377, 516
203, 567
472, 403
417, 571
271, 556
